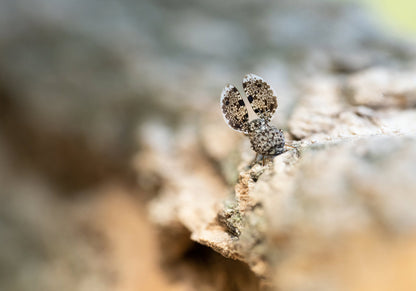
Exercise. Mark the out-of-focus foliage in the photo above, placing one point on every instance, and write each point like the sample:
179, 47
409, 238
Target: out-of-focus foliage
398, 14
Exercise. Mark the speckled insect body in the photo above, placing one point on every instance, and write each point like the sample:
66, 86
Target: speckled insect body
265, 139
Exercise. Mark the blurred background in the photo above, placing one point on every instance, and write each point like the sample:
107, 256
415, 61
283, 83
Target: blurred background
396, 14
87, 86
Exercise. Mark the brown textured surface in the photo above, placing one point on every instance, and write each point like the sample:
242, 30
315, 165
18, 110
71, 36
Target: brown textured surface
306, 219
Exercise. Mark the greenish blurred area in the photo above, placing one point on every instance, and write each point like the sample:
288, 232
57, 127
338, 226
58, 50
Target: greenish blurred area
400, 15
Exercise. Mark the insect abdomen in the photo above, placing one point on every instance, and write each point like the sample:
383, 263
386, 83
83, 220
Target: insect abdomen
265, 139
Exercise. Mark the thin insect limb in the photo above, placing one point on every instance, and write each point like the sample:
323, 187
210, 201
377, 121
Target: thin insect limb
290, 146
255, 160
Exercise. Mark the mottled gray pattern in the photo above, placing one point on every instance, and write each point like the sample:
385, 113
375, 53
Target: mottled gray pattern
234, 109
265, 139
260, 96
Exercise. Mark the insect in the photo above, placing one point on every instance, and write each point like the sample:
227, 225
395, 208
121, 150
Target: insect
266, 140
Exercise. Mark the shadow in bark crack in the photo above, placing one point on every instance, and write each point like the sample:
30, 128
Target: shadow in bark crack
205, 269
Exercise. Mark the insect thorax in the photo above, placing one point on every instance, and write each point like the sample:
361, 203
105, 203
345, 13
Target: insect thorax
265, 139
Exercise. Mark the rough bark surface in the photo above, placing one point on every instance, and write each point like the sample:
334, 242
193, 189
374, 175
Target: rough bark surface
335, 213
117, 171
